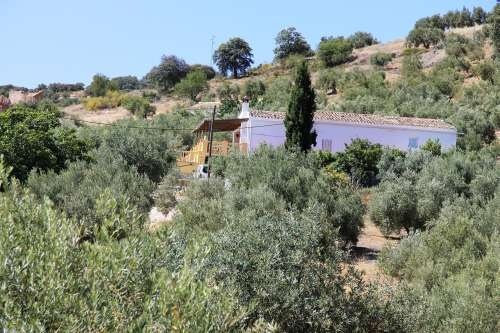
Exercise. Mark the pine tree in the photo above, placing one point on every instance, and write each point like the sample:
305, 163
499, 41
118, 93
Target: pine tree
299, 118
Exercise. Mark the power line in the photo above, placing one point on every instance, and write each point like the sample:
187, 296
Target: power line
129, 126
157, 128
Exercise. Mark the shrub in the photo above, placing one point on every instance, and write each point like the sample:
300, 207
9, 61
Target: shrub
301, 183
359, 160
208, 70
277, 95
76, 190
335, 51
292, 61
381, 58
412, 66
192, 85
327, 80
486, 70
450, 269
361, 39
112, 99
100, 86
117, 281
475, 128
394, 207
253, 89
229, 97
432, 146
139, 106
31, 137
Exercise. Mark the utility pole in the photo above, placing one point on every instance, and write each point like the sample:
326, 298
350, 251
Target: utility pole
210, 140
211, 54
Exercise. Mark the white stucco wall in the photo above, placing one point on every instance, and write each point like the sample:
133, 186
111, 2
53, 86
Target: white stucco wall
272, 132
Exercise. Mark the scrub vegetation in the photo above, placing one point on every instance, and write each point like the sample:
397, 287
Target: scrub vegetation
266, 244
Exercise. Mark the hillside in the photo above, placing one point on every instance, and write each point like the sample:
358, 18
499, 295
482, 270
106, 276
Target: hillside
268, 73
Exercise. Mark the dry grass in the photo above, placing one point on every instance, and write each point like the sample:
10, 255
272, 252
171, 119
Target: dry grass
106, 116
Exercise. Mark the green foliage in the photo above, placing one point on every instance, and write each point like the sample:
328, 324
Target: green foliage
479, 15
62, 87
425, 36
229, 97
412, 66
361, 39
254, 89
31, 137
192, 85
52, 280
434, 21
299, 118
452, 269
415, 188
475, 129
327, 80
277, 95
486, 70
335, 51
165, 194
151, 152
126, 82
112, 99
139, 106
381, 59
297, 179
458, 47
432, 146
234, 56
166, 75
359, 160
208, 70
100, 85
270, 236
76, 190
394, 207
495, 33
289, 41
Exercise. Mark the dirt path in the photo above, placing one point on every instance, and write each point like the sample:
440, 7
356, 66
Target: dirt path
365, 253
371, 241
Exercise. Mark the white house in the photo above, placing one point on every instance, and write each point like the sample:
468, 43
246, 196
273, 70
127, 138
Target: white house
336, 129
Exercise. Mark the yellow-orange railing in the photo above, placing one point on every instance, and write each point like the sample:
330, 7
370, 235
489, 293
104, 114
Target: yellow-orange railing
198, 153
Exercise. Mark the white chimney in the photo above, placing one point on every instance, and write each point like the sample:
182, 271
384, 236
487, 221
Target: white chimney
245, 109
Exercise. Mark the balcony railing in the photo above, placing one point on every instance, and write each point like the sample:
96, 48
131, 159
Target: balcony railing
200, 151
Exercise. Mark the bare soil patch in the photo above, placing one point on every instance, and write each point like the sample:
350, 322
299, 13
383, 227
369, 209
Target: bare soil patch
105, 116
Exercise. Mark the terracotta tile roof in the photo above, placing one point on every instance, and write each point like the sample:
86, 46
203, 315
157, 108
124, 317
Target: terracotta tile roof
358, 118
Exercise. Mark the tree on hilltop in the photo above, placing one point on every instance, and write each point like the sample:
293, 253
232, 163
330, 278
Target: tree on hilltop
234, 56
289, 41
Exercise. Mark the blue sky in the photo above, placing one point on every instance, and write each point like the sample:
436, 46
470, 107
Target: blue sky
46, 41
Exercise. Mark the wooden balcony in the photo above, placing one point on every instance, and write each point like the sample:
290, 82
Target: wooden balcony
188, 160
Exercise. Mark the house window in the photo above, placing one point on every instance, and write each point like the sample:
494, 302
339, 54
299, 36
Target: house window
413, 143
326, 144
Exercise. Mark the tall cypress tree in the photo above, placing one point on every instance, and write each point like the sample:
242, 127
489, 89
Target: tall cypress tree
299, 118
496, 30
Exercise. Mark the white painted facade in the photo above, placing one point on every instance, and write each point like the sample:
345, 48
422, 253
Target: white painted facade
334, 135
